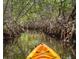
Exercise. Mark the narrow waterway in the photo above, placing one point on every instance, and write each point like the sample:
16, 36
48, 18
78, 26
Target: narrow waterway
22, 46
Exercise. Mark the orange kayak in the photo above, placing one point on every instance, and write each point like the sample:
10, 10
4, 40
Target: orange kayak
42, 51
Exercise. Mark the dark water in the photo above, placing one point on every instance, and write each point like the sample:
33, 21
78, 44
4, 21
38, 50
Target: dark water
28, 41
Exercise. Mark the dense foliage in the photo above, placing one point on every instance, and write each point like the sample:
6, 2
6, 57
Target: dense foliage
28, 23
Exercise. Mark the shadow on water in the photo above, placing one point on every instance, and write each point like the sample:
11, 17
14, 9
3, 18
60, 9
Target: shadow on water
22, 46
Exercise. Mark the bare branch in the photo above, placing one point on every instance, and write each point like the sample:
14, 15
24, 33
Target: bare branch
5, 6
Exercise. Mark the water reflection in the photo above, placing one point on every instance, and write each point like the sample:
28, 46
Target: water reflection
28, 41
